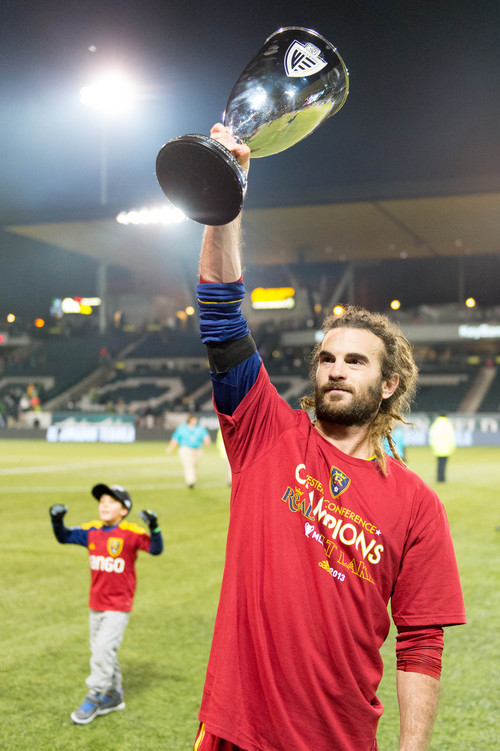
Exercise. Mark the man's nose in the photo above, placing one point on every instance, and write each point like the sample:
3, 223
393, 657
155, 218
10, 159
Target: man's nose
337, 371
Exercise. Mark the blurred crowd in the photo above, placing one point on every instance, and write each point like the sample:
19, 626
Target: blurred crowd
17, 401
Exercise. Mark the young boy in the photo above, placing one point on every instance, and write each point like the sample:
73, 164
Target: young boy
112, 543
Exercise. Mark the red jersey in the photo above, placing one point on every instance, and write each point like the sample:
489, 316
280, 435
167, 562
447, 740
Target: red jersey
112, 556
318, 544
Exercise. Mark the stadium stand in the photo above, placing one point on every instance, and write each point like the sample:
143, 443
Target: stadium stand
443, 388
55, 363
161, 370
491, 401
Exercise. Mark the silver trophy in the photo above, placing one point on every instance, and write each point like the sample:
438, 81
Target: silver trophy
295, 81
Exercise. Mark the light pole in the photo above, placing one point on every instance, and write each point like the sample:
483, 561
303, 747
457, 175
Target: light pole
103, 181
111, 96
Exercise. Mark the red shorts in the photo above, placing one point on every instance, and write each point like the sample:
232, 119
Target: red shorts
208, 742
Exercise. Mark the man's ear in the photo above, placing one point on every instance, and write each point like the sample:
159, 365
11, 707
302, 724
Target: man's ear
389, 386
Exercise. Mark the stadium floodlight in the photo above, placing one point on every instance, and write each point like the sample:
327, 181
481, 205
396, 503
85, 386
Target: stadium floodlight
112, 94
159, 215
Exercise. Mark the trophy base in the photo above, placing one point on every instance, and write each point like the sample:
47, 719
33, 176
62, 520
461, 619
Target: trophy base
202, 178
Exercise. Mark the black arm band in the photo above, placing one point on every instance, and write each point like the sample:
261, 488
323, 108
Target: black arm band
222, 356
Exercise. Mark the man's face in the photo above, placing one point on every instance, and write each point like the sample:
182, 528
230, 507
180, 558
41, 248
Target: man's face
349, 384
111, 511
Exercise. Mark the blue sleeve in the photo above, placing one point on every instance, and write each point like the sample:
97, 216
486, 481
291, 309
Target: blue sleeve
73, 535
156, 543
221, 319
231, 387
221, 322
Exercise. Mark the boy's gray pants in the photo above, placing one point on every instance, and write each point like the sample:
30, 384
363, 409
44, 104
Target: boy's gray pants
106, 633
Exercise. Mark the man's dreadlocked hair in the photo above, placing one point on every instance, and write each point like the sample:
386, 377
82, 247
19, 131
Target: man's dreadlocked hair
396, 357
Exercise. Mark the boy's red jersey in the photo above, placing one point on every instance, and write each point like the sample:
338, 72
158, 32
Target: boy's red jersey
112, 556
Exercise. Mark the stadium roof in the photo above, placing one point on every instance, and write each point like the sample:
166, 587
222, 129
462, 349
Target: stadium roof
411, 228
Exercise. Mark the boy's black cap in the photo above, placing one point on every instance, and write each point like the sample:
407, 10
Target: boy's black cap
116, 491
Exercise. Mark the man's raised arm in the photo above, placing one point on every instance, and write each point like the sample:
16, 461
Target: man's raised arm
220, 259
234, 360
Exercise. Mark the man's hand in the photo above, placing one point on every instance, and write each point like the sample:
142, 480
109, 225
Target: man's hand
418, 696
238, 149
150, 518
57, 512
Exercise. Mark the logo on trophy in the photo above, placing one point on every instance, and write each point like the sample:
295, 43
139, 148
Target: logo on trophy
295, 82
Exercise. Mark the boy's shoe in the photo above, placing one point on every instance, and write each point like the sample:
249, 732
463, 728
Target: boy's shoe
87, 711
112, 701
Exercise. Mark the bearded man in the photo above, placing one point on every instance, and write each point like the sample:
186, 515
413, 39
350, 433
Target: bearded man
325, 531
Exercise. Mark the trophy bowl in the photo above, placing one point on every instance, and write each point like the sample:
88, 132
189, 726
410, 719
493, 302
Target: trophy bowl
295, 82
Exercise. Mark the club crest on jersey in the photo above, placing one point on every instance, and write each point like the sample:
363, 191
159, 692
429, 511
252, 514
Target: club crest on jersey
339, 482
303, 60
115, 546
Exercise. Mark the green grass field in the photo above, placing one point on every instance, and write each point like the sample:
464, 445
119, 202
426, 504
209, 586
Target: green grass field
44, 622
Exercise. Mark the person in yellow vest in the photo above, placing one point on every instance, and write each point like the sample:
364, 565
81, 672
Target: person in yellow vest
442, 442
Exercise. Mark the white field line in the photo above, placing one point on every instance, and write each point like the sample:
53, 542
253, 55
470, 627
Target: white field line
133, 487
46, 468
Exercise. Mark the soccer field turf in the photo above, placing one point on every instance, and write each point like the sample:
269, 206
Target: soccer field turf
44, 620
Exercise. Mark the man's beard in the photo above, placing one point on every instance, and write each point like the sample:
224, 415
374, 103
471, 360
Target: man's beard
360, 410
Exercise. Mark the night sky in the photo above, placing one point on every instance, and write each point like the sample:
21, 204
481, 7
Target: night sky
424, 100
421, 117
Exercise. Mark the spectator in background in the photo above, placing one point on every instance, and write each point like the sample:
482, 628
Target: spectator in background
149, 417
442, 443
12, 409
24, 403
121, 406
104, 357
190, 438
35, 402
